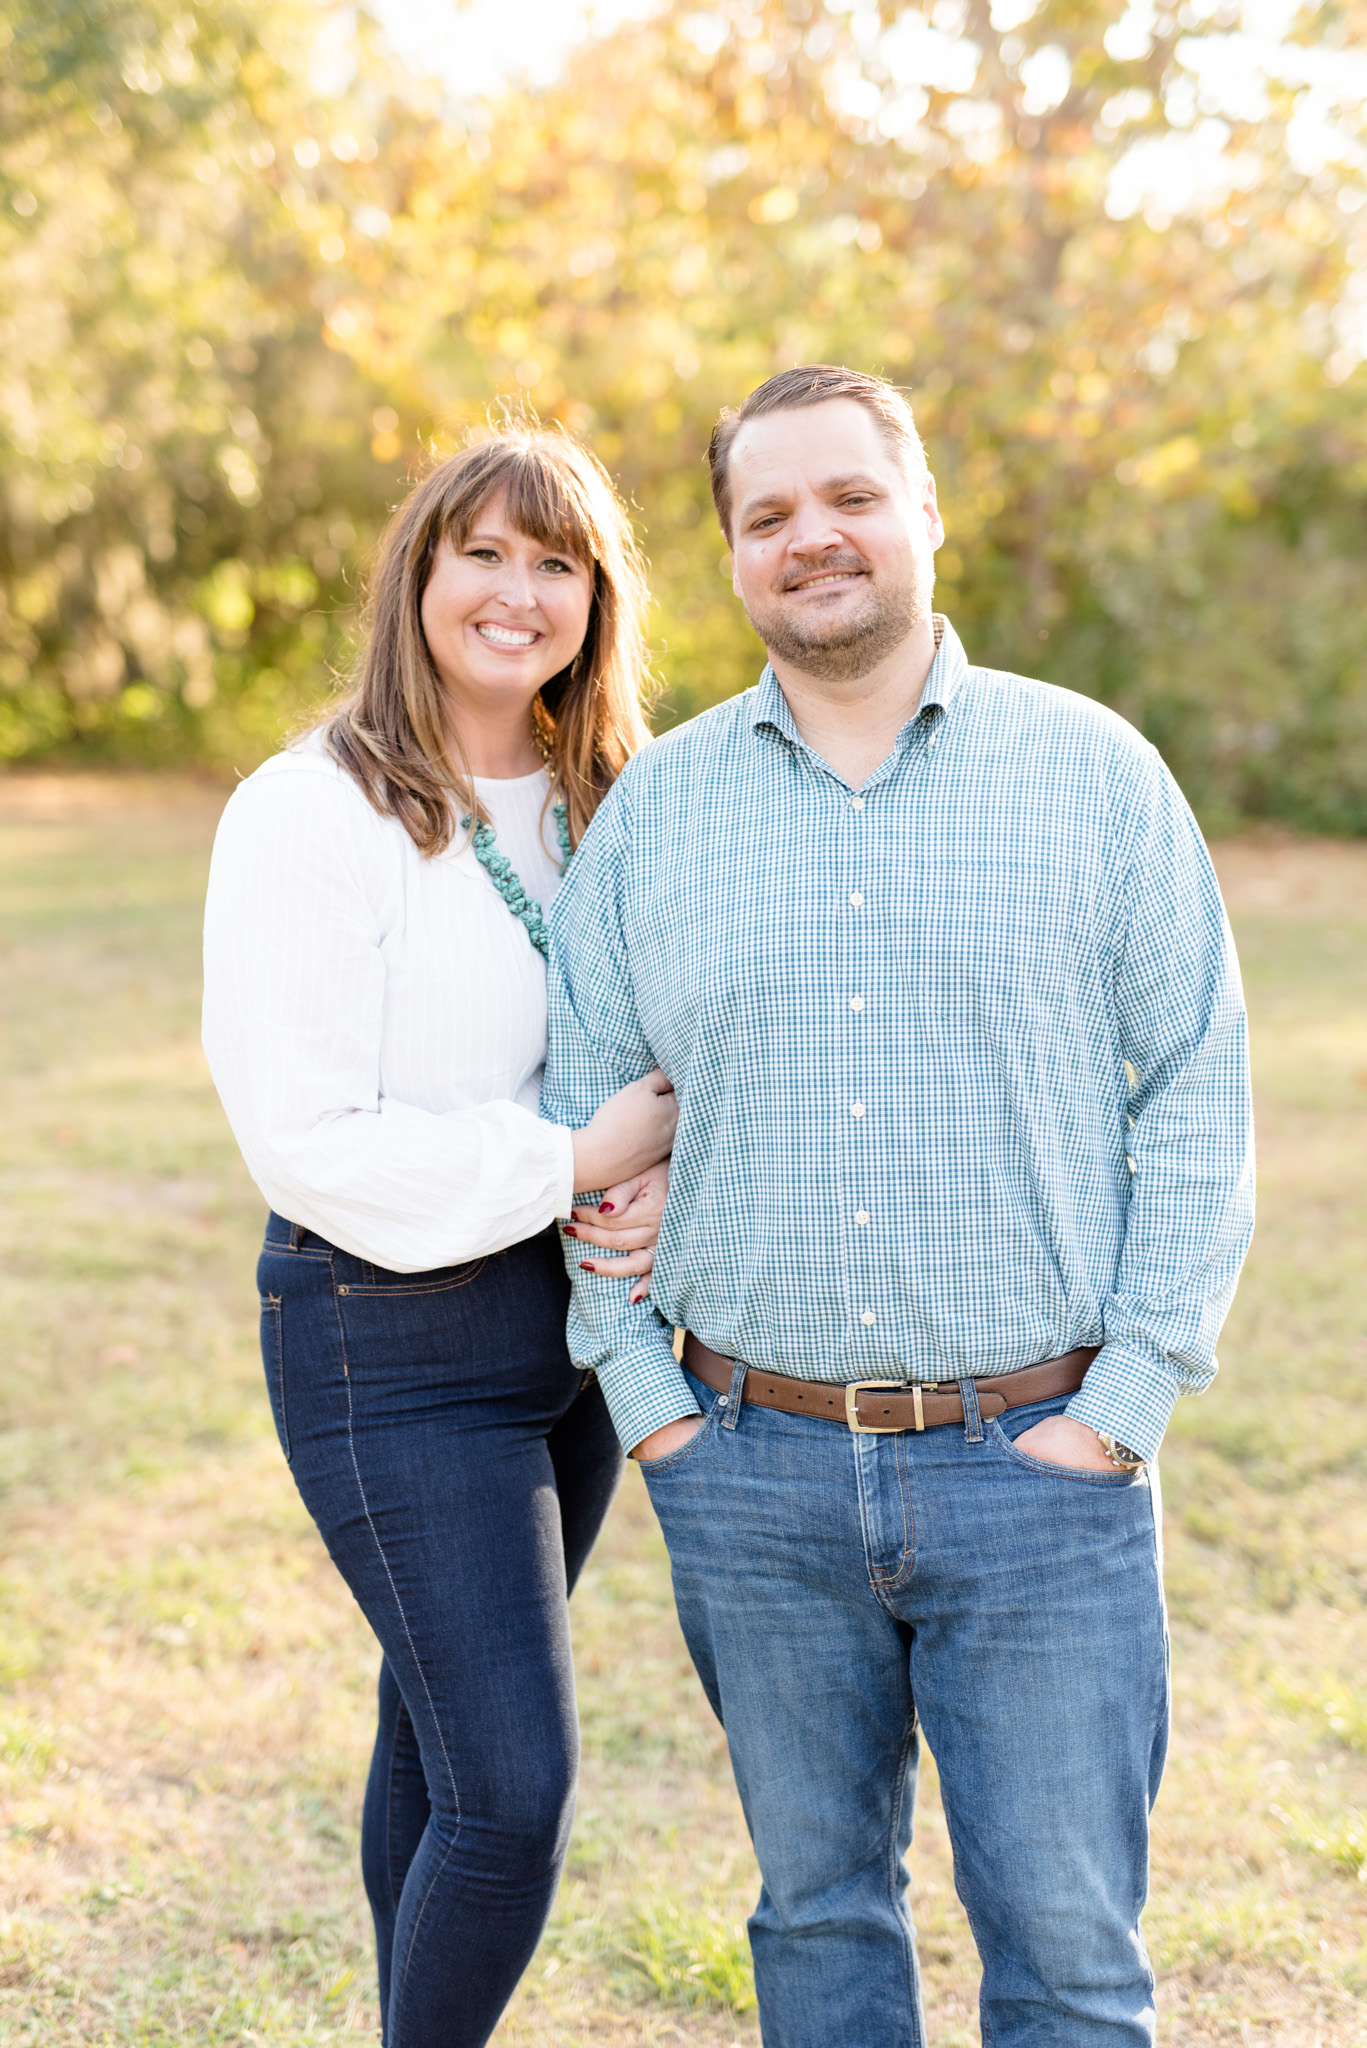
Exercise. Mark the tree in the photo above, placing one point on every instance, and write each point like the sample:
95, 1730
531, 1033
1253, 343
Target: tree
1143, 402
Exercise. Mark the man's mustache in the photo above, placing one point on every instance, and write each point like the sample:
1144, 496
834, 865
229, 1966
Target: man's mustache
829, 565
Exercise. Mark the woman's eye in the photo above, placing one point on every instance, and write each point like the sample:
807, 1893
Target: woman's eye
482, 554
558, 568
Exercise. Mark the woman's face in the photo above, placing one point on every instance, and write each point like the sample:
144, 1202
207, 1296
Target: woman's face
502, 614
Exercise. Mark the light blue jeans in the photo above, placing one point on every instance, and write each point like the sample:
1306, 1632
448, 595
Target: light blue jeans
836, 1591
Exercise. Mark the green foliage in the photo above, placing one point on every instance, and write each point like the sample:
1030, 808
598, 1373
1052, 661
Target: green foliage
240, 312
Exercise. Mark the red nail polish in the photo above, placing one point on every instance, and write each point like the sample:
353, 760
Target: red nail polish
584, 1266
606, 1208
570, 1230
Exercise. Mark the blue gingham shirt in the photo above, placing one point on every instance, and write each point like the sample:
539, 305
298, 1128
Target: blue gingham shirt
961, 1056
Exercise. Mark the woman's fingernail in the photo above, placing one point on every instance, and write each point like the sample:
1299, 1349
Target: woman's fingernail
606, 1208
584, 1266
570, 1230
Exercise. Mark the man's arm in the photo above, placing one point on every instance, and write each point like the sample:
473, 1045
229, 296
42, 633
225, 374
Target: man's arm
596, 1046
1184, 1033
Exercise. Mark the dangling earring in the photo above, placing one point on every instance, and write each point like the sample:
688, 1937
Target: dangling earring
543, 729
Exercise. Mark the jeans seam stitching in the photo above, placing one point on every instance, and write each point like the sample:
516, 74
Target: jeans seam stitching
418, 1917
390, 1794
278, 1364
398, 1602
896, 1807
889, 1581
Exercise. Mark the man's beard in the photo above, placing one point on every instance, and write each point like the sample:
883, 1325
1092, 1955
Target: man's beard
846, 648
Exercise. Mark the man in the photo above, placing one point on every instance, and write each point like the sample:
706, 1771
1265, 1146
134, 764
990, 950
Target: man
936, 961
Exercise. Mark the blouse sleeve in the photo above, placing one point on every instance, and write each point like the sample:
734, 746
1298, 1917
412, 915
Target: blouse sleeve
302, 888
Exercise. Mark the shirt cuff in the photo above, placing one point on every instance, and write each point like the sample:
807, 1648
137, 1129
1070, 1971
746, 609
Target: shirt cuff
645, 1388
564, 1168
1129, 1395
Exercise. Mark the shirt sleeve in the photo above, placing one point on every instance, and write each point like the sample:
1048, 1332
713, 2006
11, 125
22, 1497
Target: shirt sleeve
1184, 1035
300, 897
597, 1045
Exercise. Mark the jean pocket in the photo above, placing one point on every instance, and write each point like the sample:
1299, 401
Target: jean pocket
1074, 1475
651, 1467
273, 1359
365, 1282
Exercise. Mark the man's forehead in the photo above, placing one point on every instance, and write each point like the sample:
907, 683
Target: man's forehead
800, 433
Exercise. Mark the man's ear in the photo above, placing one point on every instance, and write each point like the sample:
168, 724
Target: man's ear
934, 523
735, 574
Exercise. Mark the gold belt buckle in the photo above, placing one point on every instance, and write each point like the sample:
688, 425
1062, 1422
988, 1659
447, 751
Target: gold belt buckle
858, 1387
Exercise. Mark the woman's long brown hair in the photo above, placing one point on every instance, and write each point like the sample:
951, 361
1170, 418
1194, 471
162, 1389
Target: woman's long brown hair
392, 732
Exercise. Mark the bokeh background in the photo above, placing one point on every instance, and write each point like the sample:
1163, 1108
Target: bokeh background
258, 258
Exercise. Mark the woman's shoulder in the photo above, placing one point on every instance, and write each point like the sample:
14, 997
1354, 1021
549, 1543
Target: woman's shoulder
305, 780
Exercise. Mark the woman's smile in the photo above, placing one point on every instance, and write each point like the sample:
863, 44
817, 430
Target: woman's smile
516, 637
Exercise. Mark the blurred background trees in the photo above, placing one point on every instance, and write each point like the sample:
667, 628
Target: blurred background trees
252, 272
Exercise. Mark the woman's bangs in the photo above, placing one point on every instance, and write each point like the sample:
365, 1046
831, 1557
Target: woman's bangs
542, 502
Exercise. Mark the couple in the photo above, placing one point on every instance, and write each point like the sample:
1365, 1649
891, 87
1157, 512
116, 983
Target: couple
936, 968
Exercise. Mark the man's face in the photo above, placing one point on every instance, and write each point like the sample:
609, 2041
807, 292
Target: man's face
833, 545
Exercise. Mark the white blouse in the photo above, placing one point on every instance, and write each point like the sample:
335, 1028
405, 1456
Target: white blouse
375, 1022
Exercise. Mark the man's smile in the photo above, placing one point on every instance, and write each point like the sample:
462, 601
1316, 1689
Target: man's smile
829, 576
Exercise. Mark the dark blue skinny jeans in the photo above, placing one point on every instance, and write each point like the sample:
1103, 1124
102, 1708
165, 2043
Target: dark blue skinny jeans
458, 1469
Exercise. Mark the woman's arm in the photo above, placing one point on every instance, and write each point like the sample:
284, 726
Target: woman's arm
305, 886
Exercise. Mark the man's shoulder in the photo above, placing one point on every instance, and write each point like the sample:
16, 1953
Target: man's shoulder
1055, 717
691, 748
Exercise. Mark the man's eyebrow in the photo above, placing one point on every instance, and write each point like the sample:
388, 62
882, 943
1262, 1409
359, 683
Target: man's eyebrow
830, 486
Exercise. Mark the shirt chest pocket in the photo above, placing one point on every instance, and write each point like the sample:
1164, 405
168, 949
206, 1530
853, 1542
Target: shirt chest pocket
993, 941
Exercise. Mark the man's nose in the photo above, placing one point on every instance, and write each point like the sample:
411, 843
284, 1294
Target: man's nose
813, 531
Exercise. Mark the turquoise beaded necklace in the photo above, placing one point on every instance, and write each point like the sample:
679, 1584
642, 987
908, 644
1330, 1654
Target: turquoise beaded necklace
503, 875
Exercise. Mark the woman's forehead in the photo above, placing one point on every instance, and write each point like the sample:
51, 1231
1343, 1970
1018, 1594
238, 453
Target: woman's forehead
496, 518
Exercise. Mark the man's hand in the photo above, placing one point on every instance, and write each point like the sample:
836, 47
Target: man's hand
1058, 1440
672, 1437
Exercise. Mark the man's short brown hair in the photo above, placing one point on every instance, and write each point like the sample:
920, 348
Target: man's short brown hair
813, 384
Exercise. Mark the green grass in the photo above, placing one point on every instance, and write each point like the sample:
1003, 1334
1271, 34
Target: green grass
185, 1687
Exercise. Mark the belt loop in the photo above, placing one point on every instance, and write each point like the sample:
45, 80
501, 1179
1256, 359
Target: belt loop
734, 1395
296, 1232
973, 1421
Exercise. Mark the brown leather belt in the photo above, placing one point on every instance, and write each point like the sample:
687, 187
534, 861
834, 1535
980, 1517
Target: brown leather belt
878, 1407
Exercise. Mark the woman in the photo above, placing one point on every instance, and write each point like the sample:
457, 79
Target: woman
375, 1019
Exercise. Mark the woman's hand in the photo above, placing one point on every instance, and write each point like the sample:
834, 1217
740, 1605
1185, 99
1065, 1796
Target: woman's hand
626, 1220
632, 1130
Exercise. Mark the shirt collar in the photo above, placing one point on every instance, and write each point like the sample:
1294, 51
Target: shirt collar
947, 672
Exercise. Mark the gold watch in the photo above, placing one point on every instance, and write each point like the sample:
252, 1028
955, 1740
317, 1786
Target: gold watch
1120, 1455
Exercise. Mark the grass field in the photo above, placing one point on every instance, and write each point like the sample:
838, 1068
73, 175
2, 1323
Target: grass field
185, 1686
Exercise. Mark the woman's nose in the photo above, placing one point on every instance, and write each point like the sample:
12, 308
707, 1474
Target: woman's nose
516, 590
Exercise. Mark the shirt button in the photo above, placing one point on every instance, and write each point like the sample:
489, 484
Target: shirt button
868, 1316
856, 1002
861, 1217
856, 1109
857, 899
856, 803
